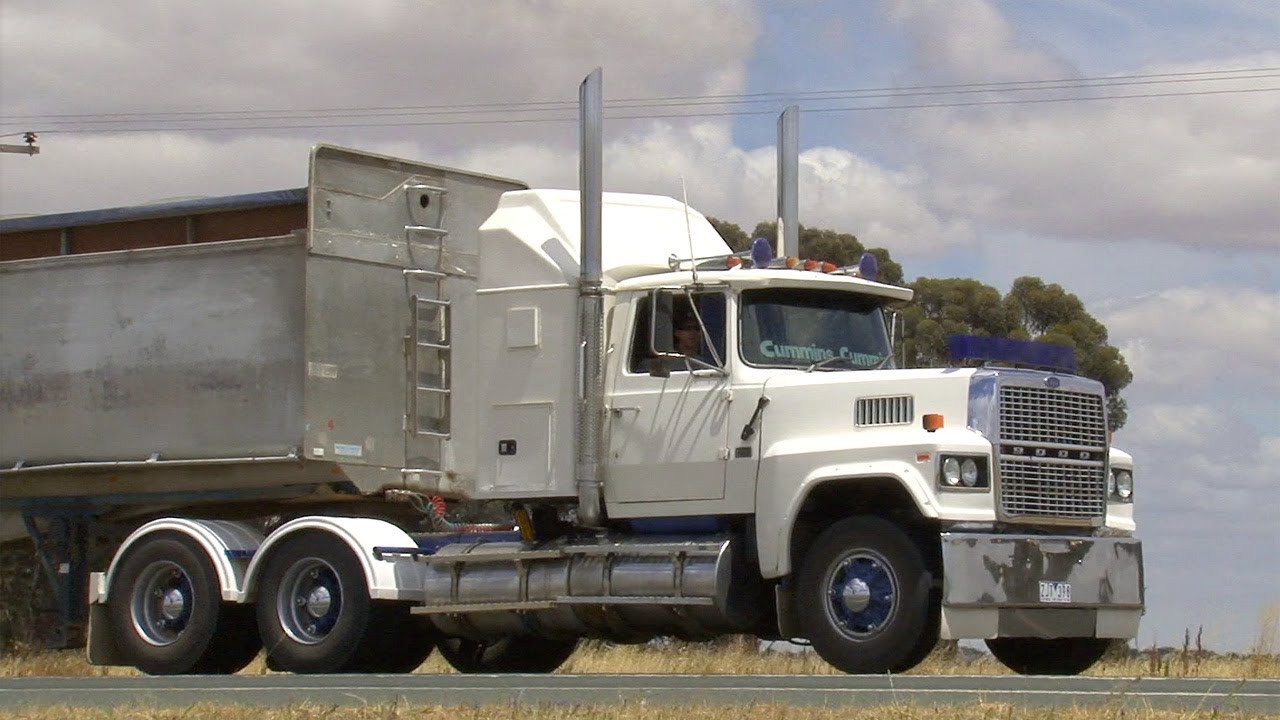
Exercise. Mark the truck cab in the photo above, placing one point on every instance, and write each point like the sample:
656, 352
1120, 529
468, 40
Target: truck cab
790, 411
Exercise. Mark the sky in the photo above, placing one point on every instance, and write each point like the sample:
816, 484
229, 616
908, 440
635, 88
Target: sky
971, 138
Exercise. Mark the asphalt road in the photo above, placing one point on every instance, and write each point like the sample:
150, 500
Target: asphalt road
1259, 696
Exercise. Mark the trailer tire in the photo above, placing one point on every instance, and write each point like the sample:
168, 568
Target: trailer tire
166, 611
865, 598
512, 654
1048, 656
314, 611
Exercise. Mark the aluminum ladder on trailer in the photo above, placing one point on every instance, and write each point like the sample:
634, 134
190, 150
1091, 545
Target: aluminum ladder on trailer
431, 352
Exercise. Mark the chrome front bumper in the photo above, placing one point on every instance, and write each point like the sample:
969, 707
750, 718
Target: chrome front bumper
1040, 586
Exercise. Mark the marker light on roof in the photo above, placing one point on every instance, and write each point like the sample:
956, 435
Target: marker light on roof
828, 267
868, 267
733, 261
791, 262
810, 264
761, 253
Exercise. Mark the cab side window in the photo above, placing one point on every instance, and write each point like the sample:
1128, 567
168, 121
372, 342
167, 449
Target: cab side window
687, 335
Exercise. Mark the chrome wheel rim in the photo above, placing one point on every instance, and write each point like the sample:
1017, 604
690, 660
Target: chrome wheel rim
162, 603
862, 594
310, 601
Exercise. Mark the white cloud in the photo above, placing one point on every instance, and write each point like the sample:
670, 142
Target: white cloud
88, 56
838, 188
1191, 170
208, 59
1173, 424
390, 54
1185, 337
970, 41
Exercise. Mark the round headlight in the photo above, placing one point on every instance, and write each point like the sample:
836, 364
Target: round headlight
969, 472
1124, 484
951, 471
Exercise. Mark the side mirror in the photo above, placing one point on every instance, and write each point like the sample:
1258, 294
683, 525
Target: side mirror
661, 335
660, 367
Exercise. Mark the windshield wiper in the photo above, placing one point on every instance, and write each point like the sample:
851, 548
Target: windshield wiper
882, 363
827, 361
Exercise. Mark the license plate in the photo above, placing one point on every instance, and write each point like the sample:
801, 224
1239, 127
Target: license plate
1055, 592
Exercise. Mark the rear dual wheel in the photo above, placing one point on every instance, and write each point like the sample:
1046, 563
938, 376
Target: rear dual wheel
315, 614
166, 611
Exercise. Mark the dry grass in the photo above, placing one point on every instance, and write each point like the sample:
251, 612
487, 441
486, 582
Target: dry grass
626, 711
741, 657
737, 657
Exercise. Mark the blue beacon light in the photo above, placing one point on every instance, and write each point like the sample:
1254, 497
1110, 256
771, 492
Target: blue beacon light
761, 253
868, 267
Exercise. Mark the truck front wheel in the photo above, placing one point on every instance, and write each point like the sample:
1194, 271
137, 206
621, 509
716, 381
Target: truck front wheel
863, 592
167, 614
1055, 656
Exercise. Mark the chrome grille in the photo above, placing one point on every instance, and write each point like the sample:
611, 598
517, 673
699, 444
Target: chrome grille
1053, 448
1040, 415
1042, 489
892, 410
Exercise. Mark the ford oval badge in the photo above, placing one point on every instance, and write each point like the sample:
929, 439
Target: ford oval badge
1052, 382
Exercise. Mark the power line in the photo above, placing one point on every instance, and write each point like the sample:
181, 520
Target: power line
263, 116
287, 125
1220, 75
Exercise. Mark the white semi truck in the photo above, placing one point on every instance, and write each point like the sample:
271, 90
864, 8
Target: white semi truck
278, 393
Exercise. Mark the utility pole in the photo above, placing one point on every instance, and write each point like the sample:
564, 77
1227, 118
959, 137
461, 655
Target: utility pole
31, 148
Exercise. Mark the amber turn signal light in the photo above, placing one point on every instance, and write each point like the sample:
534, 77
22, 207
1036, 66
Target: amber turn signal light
932, 421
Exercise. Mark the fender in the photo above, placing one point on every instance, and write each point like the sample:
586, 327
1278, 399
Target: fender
229, 545
398, 579
775, 516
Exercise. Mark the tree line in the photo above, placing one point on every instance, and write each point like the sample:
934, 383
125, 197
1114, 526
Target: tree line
1030, 310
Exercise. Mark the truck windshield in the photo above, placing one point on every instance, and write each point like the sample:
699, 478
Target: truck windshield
798, 327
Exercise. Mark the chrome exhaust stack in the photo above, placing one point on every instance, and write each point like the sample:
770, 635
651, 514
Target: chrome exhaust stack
589, 471
788, 240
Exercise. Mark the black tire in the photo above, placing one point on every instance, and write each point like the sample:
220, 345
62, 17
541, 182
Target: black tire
523, 654
313, 609
166, 611
932, 634
1056, 656
928, 639
864, 597
404, 641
